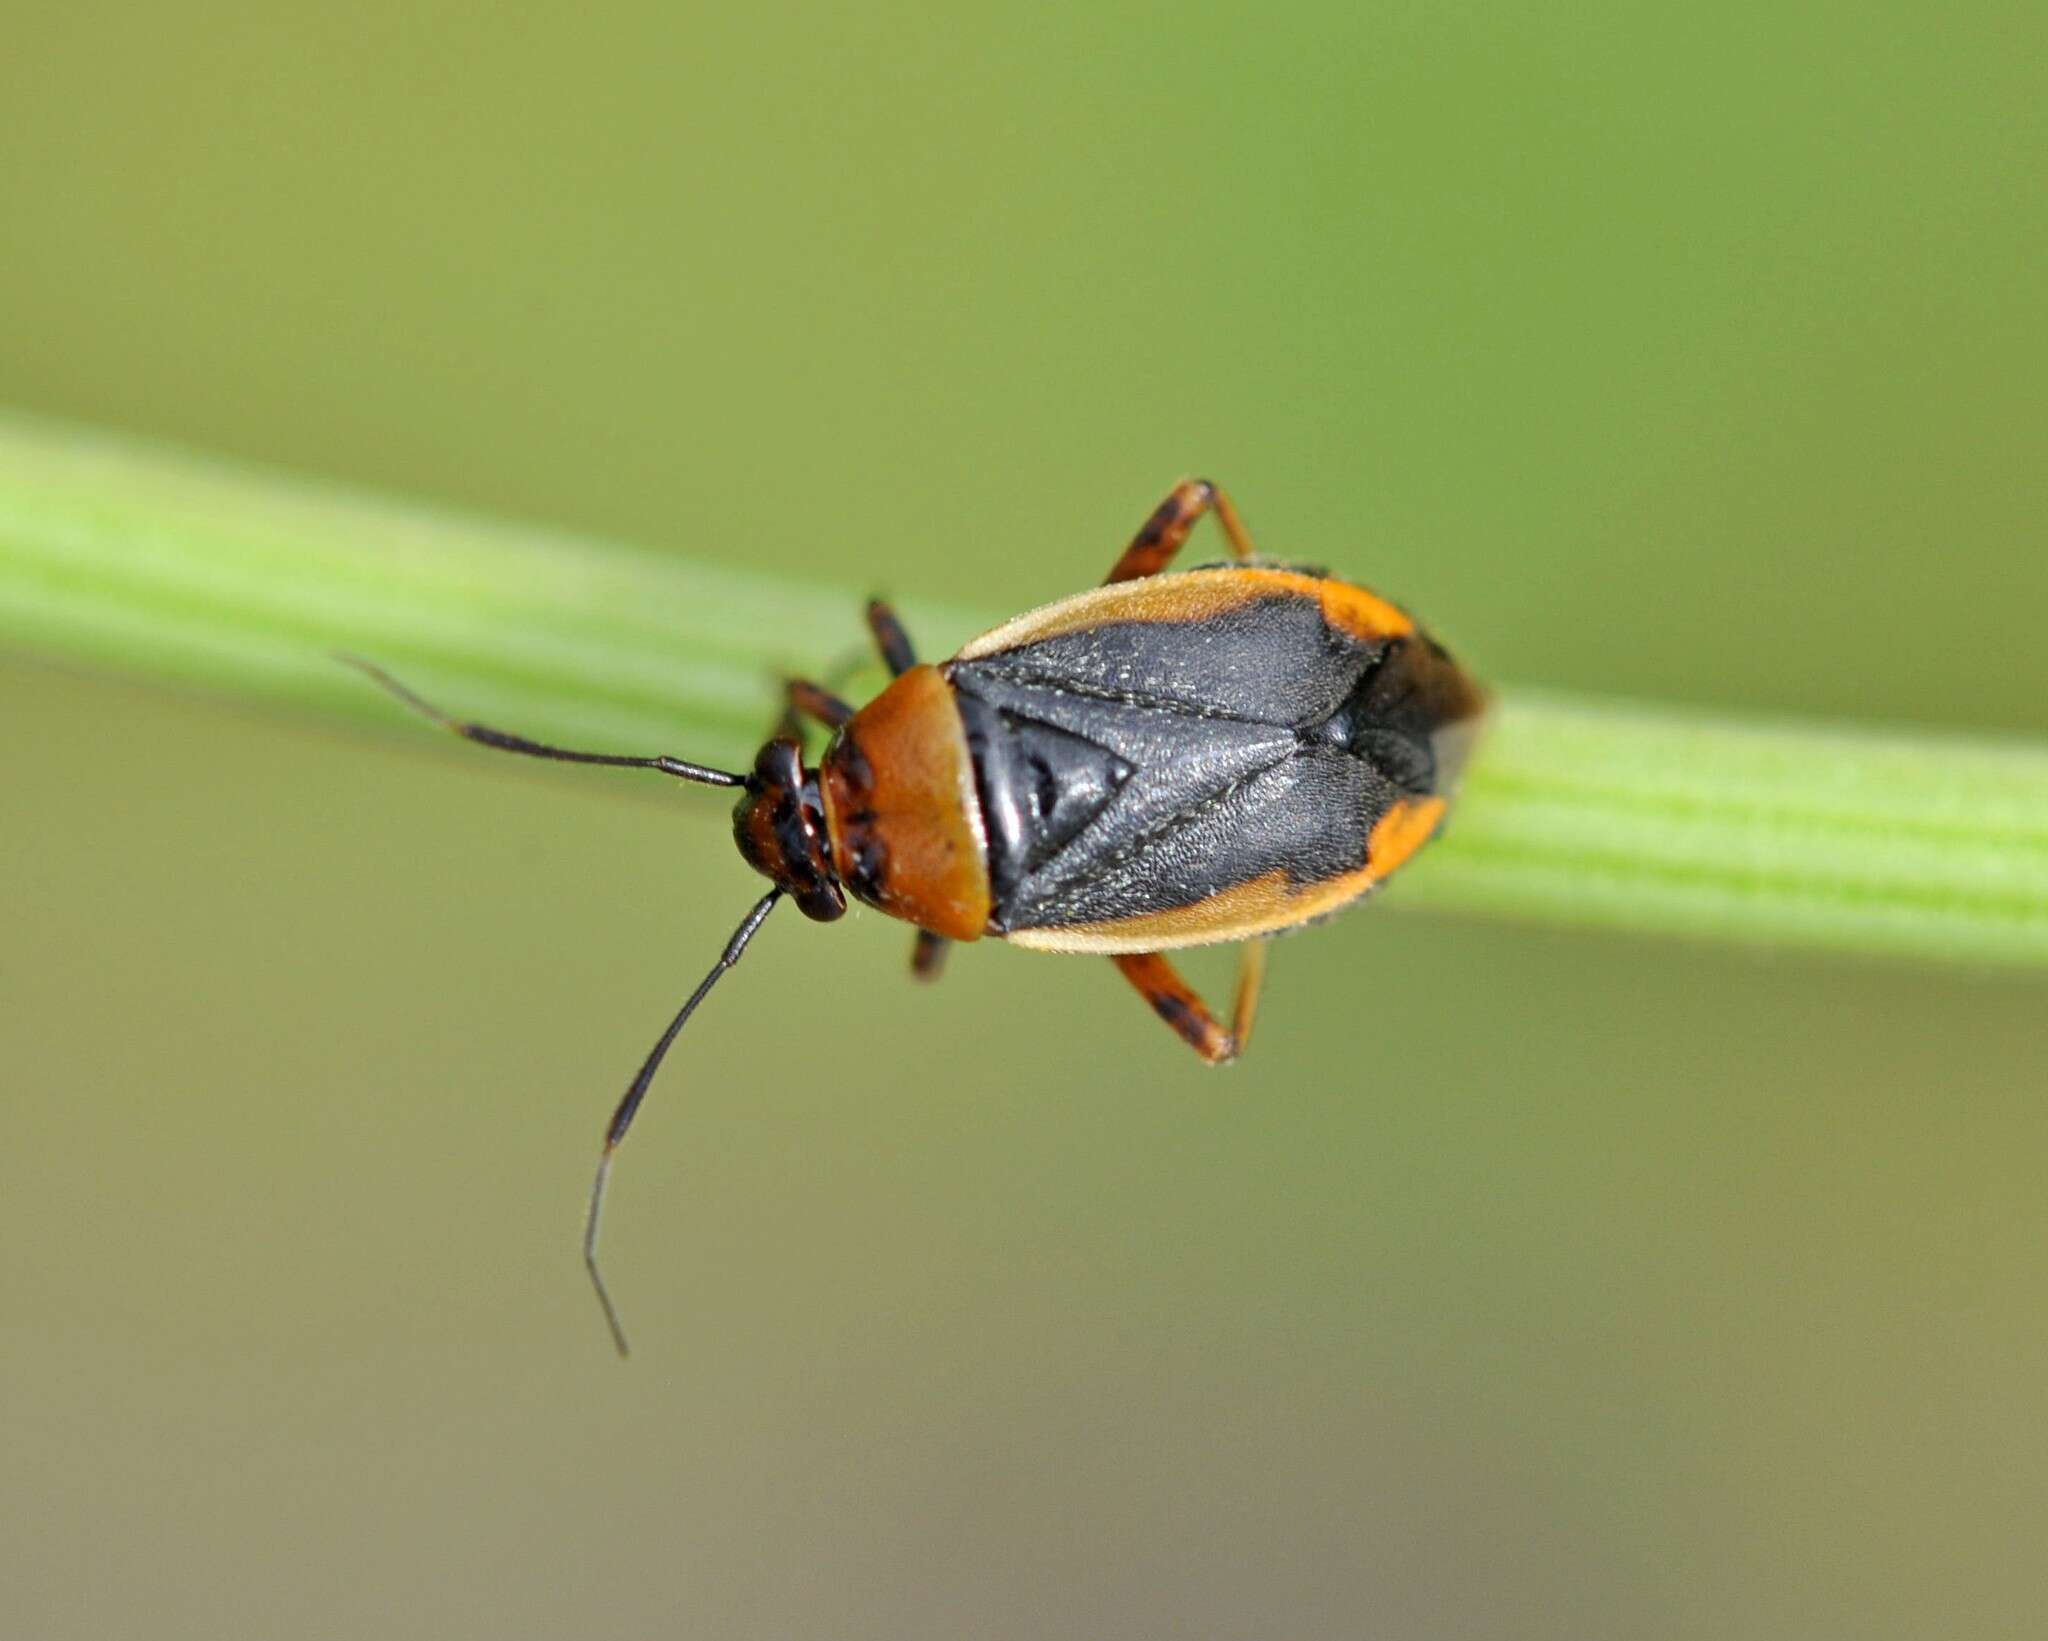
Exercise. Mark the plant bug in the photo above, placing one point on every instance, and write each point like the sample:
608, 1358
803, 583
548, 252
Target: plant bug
1169, 760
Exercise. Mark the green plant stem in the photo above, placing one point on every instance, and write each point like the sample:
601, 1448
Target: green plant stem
178, 568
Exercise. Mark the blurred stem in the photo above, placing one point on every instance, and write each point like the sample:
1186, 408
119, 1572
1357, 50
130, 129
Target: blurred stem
193, 571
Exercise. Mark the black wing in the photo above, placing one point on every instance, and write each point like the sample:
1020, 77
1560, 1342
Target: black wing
1140, 766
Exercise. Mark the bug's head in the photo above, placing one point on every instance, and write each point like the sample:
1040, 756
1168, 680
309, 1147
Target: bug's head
779, 825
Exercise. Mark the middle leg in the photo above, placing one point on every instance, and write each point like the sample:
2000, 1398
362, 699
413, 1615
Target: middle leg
1161, 535
890, 638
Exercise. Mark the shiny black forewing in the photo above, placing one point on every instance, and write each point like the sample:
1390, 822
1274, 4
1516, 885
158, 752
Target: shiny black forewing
1140, 766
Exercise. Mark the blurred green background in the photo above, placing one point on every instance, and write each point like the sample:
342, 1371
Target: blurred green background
1520, 1283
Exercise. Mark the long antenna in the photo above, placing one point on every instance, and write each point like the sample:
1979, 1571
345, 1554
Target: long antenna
622, 1118
484, 735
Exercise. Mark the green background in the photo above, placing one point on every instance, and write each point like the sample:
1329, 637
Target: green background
1520, 1283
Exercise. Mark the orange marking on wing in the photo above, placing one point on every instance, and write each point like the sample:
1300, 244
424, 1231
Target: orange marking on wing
1360, 613
1191, 596
1264, 905
1401, 831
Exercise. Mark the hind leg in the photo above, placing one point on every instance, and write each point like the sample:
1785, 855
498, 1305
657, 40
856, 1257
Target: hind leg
1175, 1002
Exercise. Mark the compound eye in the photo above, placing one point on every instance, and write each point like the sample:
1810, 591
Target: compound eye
779, 764
820, 901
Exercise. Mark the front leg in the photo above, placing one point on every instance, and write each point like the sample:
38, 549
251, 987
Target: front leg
803, 699
928, 956
1161, 535
1175, 1002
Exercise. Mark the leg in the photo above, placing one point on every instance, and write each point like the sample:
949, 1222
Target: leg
1153, 547
890, 638
1175, 1003
809, 700
803, 699
928, 956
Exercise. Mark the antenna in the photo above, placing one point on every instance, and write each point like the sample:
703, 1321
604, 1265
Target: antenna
484, 735
622, 1118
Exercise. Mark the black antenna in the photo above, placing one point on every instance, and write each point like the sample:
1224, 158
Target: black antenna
622, 1118
483, 735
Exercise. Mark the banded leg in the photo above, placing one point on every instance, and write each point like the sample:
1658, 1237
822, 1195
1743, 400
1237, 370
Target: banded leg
1175, 1002
818, 701
928, 956
1161, 535
803, 699
890, 638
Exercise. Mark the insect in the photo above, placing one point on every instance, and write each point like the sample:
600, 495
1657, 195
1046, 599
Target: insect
1169, 760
